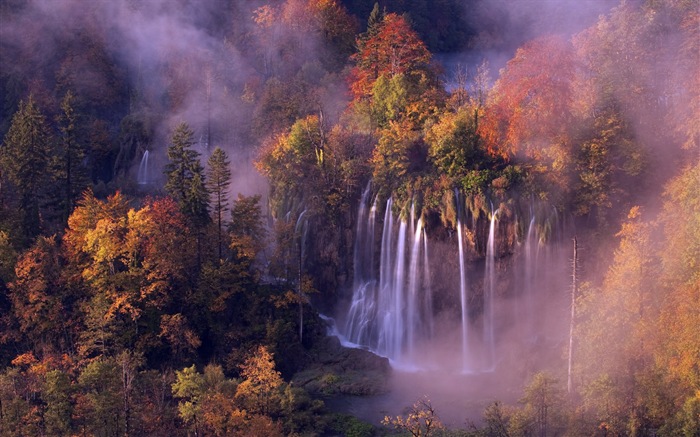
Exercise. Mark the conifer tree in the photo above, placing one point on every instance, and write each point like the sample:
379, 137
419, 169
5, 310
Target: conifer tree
71, 173
24, 159
186, 182
219, 179
185, 177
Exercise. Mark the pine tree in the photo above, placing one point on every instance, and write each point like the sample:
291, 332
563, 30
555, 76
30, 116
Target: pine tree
70, 172
186, 182
24, 160
185, 177
219, 179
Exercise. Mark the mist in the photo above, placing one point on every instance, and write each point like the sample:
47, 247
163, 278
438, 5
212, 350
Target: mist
466, 308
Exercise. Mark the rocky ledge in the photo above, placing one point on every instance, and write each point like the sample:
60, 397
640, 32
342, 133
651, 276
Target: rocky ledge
337, 370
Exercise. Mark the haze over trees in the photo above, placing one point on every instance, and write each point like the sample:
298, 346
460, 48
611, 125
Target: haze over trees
184, 305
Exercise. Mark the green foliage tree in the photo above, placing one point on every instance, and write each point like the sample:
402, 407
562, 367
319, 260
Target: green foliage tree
186, 182
57, 392
24, 162
185, 176
219, 179
70, 154
100, 388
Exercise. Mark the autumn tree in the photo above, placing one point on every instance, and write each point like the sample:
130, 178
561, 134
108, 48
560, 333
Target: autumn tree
679, 343
246, 230
294, 164
455, 146
389, 49
259, 391
421, 421
219, 179
617, 333
37, 300
529, 111
396, 156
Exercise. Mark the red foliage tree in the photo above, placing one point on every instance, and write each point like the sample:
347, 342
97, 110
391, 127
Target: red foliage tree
393, 49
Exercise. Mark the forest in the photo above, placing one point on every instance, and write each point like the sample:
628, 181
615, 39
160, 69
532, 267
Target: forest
194, 194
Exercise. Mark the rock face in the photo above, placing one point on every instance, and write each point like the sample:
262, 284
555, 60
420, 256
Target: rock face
340, 370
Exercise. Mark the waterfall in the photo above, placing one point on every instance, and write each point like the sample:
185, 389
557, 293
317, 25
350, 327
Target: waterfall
392, 310
489, 290
529, 275
463, 297
414, 320
143, 176
391, 314
362, 311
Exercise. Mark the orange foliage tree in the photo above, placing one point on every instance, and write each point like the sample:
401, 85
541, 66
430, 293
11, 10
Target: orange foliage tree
529, 109
393, 49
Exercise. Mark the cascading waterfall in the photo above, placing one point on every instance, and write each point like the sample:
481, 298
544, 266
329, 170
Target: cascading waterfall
489, 290
414, 283
463, 298
392, 311
363, 309
531, 250
143, 176
393, 314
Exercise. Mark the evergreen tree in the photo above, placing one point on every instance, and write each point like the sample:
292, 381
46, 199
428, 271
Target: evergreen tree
186, 182
185, 177
70, 171
24, 160
219, 179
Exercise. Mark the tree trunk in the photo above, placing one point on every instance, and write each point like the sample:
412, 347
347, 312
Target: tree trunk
569, 382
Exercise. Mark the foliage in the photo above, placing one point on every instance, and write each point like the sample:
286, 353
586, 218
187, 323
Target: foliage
390, 49
218, 180
24, 163
186, 179
99, 291
421, 420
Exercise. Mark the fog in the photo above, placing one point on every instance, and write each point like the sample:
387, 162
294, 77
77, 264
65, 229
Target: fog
206, 62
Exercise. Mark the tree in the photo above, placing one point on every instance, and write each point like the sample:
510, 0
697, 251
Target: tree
100, 396
57, 393
529, 111
24, 162
455, 144
219, 179
542, 408
71, 154
207, 402
421, 421
36, 297
185, 177
396, 155
294, 163
246, 230
260, 390
186, 181
388, 49
189, 386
